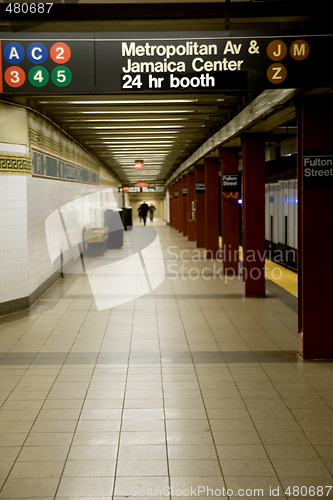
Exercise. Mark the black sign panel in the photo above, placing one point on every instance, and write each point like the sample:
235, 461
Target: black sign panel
134, 62
231, 183
200, 187
318, 171
47, 166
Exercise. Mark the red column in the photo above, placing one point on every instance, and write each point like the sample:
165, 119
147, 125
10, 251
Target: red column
184, 204
212, 166
180, 205
191, 223
176, 192
315, 226
171, 201
199, 178
230, 210
253, 149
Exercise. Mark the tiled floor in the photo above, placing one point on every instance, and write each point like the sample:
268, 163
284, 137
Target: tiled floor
183, 392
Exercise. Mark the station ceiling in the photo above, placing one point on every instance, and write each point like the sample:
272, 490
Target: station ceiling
162, 128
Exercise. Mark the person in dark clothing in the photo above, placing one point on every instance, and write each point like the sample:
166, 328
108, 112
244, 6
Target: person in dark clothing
151, 212
144, 211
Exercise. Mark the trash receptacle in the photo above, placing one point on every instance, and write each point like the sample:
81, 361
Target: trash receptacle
127, 218
113, 221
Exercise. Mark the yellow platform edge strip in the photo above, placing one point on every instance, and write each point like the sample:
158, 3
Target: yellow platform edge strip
280, 275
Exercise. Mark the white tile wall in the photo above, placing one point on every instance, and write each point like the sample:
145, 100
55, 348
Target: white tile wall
44, 197
13, 237
25, 204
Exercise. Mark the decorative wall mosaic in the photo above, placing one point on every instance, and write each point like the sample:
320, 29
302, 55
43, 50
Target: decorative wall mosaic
15, 165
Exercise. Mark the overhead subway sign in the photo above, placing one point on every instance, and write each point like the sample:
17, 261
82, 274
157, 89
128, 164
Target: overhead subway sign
168, 61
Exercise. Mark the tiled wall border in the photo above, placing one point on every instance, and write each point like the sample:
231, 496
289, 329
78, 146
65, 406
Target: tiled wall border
15, 165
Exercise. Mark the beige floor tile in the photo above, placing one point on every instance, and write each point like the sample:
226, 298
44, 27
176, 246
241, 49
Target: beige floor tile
33, 488
290, 452
283, 438
98, 425
43, 453
149, 425
232, 425
256, 486
302, 468
141, 468
89, 468
101, 414
197, 486
133, 486
194, 468
85, 486
188, 437
49, 439
187, 425
12, 439
4, 469
146, 413
191, 452
37, 469
93, 452
142, 452
140, 437
236, 437
247, 467
95, 438
241, 451
54, 426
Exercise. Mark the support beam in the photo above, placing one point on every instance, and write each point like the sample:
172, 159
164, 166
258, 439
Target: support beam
315, 229
200, 193
212, 206
230, 212
253, 148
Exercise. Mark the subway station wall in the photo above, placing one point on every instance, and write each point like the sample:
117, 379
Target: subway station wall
28, 196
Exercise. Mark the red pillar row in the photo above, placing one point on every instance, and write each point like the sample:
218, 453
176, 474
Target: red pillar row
315, 226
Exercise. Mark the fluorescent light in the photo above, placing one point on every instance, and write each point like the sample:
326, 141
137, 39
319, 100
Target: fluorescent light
114, 143
129, 127
104, 140
141, 112
134, 101
127, 120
